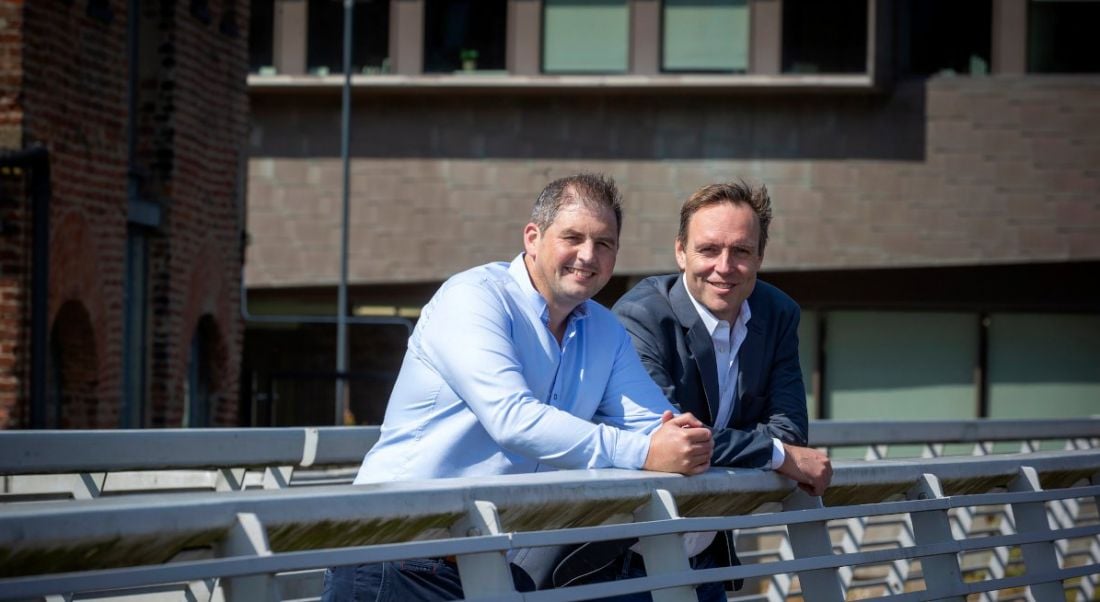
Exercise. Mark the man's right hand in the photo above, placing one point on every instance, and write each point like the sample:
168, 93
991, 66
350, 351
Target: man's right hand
682, 444
810, 467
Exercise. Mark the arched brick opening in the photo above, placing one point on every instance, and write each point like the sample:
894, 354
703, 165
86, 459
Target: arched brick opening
205, 379
72, 374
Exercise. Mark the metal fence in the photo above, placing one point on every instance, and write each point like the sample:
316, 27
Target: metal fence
994, 526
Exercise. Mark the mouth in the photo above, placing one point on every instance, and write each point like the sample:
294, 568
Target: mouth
723, 287
581, 273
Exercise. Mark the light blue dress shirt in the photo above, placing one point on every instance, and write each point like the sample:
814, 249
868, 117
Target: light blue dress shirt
486, 389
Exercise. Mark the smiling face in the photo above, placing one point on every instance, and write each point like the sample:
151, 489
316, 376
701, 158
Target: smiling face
721, 256
572, 259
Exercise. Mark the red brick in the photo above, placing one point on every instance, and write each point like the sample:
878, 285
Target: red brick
71, 95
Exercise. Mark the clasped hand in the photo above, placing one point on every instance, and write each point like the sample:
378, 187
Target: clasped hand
682, 444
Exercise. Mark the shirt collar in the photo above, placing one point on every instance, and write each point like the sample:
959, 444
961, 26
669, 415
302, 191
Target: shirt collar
518, 271
710, 321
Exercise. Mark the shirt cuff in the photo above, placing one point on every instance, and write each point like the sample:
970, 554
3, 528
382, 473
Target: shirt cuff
631, 450
779, 455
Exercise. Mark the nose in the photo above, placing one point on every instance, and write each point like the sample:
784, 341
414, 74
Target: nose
586, 251
725, 264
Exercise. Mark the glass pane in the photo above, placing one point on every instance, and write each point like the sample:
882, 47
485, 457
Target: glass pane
261, 35
1044, 365
936, 36
706, 35
585, 36
1061, 37
369, 30
465, 35
900, 365
824, 37
807, 357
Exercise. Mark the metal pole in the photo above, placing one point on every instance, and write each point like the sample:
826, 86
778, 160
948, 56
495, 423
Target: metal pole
342, 302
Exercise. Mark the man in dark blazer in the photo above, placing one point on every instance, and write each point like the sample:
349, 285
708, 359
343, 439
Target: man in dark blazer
724, 346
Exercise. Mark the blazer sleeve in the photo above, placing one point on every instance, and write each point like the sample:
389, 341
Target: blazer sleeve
787, 418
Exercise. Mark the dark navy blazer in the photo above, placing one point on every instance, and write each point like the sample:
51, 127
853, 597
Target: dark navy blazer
677, 351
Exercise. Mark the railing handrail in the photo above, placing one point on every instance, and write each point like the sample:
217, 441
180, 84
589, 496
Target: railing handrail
51, 452
110, 533
835, 433
60, 451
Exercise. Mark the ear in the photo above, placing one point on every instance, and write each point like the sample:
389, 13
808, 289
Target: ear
531, 237
681, 257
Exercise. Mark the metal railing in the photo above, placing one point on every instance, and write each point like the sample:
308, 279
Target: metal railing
236, 543
870, 537
88, 464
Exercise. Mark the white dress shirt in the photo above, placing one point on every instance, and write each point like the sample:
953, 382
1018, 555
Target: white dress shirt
486, 389
727, 341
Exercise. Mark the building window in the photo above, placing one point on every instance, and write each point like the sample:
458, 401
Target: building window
261, 32
467, 35
892, 365
1061, 37
807, 359
824, 37
1043, 365
705, 35
937, 36
370, 37
585, 36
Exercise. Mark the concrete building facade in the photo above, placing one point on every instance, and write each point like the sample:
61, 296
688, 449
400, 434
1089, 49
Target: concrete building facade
935, 172
137, 111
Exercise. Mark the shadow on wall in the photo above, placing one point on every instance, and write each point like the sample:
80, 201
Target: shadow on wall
589, 125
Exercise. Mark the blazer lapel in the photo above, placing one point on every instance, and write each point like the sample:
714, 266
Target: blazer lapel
699, 342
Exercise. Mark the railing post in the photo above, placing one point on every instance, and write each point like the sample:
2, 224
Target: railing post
202, 590
248, 538
941, 572
277, 477
486, 574
665, 553
1040, 558
812, 539
230, 479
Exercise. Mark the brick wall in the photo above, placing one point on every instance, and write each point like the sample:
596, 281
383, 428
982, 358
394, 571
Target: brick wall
952, 171
14, 289
73, 99
198, 263
14, 221
11, 73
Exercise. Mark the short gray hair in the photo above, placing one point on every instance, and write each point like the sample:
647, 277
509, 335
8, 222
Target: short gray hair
593, 190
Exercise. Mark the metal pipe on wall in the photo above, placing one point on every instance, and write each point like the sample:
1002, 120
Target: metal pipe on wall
342, 292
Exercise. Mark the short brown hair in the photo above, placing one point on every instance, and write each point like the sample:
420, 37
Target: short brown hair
729, 192
594, 190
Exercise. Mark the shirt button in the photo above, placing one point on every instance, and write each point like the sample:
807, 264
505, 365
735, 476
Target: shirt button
555, 395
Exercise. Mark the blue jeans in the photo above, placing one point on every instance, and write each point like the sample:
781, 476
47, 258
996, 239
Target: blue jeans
419, 579
631, 567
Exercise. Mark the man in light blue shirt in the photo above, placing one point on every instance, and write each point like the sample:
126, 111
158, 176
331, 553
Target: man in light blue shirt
513, 369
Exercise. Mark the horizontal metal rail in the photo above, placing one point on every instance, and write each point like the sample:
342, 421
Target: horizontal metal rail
52, 452
133, 541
